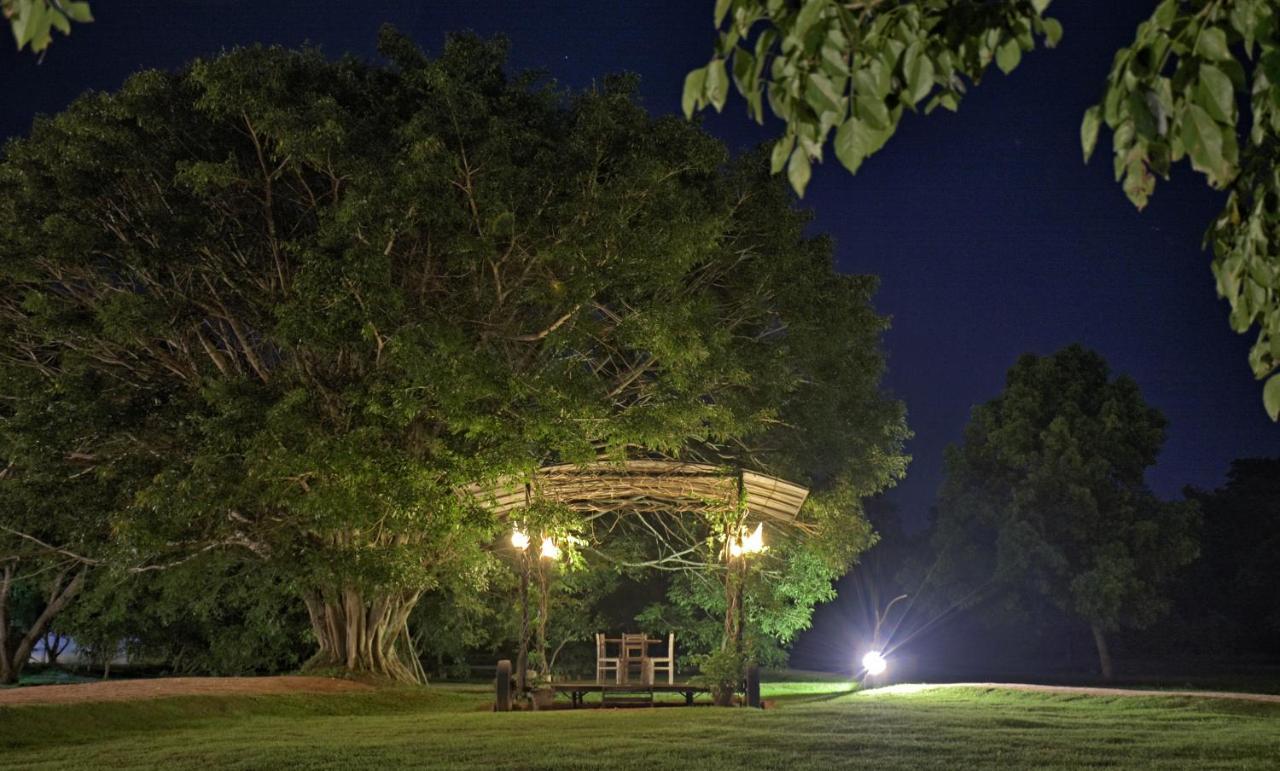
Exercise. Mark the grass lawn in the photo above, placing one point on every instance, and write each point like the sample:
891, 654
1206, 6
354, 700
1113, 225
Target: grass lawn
814, 725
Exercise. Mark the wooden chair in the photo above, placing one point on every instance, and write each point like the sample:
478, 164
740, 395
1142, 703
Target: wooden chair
605, 663
635, 652
664, 663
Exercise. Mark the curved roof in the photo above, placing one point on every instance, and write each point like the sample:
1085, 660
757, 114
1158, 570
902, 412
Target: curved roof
648, 486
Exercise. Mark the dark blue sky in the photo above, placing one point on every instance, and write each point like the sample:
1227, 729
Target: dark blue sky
991, 237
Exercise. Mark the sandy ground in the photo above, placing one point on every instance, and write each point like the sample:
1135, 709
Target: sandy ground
1081, 690
130, 690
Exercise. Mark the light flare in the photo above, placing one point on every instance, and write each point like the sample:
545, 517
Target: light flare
874, 662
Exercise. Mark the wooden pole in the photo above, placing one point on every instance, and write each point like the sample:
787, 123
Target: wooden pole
502, 687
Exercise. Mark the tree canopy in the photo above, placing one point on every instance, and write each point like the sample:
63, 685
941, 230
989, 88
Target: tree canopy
1045, 497
1181, 91
328, 295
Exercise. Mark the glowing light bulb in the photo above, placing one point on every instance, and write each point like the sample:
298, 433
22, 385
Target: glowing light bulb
874, 663
519, 539
748, 544
549, 549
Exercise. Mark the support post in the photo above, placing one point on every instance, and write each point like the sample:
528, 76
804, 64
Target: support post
502, 687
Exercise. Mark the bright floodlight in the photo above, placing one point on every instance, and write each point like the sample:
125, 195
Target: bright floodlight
519, 539
874, 663
550, 550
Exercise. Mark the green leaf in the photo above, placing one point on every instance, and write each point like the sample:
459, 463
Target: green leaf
722, 7
798, 172
693, 86
59, 21
1008, 56
1271, 397
809, 14
1203, 138
78, 12
848, 145
1216, 94
717, 84
1089, 130
1165, 14
744, 70
1052, 32
920, 77
1212, 44
781, 151
822, 94
874, 112
28, 23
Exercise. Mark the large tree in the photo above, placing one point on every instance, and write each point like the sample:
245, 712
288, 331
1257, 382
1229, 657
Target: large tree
849, 70
1045, 497
341, 292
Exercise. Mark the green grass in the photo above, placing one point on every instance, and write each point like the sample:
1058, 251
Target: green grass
815, 725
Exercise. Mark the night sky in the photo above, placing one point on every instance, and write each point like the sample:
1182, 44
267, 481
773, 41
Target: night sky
991, 238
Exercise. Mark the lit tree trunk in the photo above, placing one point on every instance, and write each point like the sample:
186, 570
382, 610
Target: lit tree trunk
543, 612
15, 652
522, 657
734, 584
359, 631
1104, 655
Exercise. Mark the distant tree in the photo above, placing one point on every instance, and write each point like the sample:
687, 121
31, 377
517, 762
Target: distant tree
336, 293
849, 70
1045, 496
1227, 600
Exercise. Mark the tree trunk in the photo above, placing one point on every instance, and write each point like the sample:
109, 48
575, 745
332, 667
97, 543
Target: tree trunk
1104, 655
54, 645
14, 654
359, 630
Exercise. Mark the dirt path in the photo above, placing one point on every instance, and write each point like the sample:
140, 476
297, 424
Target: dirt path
130, 690
1081, 690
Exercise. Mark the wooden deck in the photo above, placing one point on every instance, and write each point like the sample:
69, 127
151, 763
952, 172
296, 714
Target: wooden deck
626, 694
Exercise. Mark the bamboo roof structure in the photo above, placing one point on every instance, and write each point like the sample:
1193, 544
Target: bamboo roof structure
648, 486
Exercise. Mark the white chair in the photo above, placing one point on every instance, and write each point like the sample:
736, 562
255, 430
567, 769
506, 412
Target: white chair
605, 663
660, 664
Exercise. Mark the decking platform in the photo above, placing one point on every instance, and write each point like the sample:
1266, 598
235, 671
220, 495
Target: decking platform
626, 694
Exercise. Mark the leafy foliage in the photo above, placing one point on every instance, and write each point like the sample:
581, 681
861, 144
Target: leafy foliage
1182, 90
307, 302
221, 614
855, 67
1046, 497
33, 21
